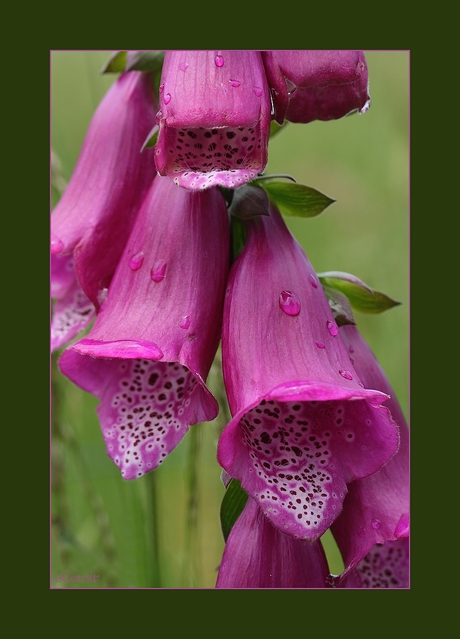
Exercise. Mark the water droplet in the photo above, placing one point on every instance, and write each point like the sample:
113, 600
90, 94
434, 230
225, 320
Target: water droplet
289, 303
376, 523
158, 271
219, 60
136, 261
320, 345
351, 349
235, 83
167, 98
183, 66
312, 280
185, 321
56, 244
161, 88
258, 91
332, 328
345, 374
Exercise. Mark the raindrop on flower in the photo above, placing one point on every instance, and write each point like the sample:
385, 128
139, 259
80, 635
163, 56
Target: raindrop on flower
345, 374
235, 83
167, 98
313, 281
332, 328
289, 303
185, 321
376, 523
158, 271
258, 91
320, 345
56, 244
219, 60
136, 261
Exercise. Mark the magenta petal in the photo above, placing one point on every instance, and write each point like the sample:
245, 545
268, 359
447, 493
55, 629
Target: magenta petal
258, 555
95, 214
385, 566
303, 426
376, 509
141, 359
214, 118
317, 85
72, 310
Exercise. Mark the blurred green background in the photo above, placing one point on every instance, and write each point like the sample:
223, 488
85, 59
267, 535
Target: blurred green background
163, 529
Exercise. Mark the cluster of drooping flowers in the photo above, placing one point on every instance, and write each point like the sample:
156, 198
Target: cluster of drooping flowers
142, 243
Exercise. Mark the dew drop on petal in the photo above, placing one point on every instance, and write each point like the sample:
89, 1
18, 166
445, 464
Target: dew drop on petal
289, 303
158, 271
312, 280
219, 60
167, 98
332, 328
56, 244
345, 374
136, 261
235, 83
376, 523
185, 321
183, 66
161, 88
258, 91
320, 345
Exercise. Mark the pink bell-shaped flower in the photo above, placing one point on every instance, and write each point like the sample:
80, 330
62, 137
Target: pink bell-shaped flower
376, 508
258, 555
155, 337
303, 426
317, 85
72, 310
214, 118
96, 212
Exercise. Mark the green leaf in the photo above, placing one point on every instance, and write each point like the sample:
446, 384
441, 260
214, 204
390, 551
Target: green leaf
340, 306
232, 506
116, 63
296, 199
151, 139
144, 61
249, 201
276, 128
238, 236
361, 296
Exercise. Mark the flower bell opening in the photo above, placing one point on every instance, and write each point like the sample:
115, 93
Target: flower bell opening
214, 118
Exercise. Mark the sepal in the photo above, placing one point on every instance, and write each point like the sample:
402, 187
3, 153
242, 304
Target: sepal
361, 296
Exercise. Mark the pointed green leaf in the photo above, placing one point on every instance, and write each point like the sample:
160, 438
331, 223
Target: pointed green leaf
340, 306
232, 506
362, 298
151, 139
276, 128
249, 201
144, 61
116, 63
238, 236
296, 199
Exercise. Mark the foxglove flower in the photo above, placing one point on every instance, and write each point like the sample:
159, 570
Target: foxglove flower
317, 85
303, 426
376, 508
214, 118
258, 555
95, 214
72, 310
155, 337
